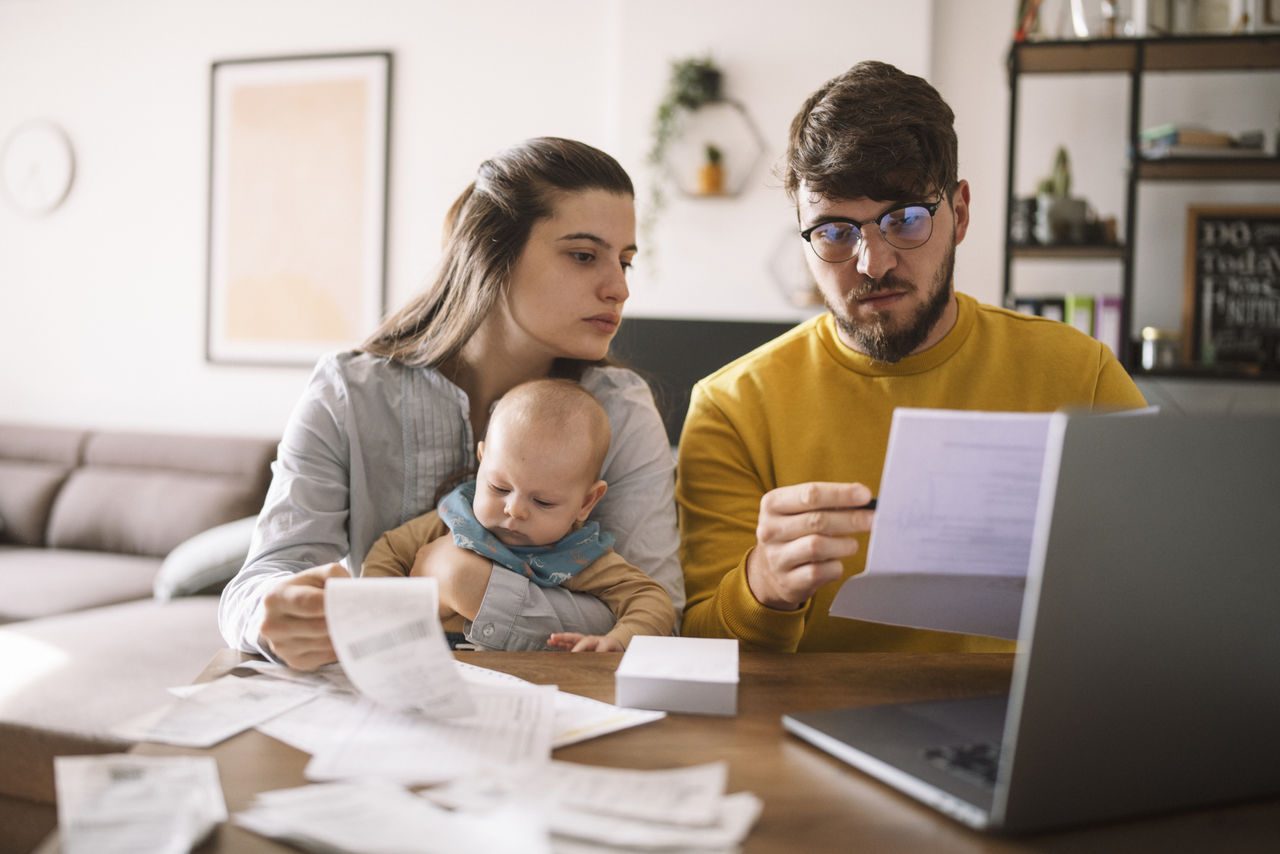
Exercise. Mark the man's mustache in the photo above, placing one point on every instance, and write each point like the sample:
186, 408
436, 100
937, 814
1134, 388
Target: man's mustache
874, 286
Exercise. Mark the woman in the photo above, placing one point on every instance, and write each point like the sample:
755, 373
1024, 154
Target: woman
532, 284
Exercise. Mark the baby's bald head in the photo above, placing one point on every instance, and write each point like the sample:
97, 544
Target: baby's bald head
561, 411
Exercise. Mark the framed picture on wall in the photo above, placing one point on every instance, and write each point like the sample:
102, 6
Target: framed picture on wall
298, 169
1231, 308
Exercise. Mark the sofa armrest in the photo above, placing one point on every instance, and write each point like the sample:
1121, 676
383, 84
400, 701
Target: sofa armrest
206, 562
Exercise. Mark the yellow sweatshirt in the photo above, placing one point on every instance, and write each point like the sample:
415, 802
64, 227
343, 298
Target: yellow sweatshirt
805, 407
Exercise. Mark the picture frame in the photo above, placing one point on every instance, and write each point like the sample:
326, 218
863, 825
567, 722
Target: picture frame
1231, 303
299, 160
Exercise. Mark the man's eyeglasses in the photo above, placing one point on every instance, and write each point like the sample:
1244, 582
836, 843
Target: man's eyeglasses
906, 227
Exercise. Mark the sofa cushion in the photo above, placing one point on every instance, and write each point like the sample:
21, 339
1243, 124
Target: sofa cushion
66, 680
145, 494
206, 562
42, 444
136, 511
27, 490
41, 582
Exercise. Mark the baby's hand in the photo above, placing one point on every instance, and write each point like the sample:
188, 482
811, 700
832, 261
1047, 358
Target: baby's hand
575, 642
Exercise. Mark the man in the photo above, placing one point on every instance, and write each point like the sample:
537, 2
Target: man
782, 447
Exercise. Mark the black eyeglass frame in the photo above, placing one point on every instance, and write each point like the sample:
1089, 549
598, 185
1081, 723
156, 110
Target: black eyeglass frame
931, 207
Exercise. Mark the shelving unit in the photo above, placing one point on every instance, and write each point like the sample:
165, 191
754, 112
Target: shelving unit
1136, 58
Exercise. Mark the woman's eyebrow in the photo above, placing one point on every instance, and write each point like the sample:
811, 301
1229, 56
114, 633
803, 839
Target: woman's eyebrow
596, 239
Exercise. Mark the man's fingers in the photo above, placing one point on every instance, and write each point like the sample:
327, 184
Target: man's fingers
775, 528
811, 549
803, 497
801, 582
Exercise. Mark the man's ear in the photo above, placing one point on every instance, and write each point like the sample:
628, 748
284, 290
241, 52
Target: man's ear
960, 207
480, 450
593, 496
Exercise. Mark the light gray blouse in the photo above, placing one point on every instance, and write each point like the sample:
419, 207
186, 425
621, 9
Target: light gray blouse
367, 447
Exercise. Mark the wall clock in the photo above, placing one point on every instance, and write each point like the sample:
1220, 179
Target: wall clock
36, 167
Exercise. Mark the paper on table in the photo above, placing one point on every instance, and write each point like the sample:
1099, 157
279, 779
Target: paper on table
314, 726
577, 718
388, 637
581, 718
376, 817
218, 710
328, 678
684, 796
738, 814
123, 803
952, 535
511, 726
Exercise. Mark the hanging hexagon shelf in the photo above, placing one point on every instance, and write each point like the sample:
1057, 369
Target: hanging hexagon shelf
726, 127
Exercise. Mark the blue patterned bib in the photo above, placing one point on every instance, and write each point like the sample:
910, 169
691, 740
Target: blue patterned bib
546, 566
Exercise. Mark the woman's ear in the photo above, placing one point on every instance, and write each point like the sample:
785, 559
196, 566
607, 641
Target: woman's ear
593, 496
480, 450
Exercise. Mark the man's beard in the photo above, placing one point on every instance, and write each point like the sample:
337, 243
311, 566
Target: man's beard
892, 345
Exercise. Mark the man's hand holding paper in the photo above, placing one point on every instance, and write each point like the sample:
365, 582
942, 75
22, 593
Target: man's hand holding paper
804, 532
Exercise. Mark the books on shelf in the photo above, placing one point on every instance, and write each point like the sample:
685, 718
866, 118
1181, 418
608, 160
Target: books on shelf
1172, 140
1163, 152
1098, 316
1174, 134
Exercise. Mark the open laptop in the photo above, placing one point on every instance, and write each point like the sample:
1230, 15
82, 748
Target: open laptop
1148, 669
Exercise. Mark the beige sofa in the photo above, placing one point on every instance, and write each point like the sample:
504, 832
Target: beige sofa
107, 542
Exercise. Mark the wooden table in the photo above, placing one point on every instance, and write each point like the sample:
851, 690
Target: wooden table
812, 802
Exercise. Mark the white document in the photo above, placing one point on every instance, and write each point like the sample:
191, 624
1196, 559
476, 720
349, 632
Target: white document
577, 718
683, 796
581, 718
122, 804
388, 637
511, 726
315, 726
328, 678
376, 817
738, 814
215, 712
952, 536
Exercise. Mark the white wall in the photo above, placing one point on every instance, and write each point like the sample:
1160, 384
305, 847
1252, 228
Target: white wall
102, 303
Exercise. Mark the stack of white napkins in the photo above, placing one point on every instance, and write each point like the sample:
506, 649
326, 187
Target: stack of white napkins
121, 803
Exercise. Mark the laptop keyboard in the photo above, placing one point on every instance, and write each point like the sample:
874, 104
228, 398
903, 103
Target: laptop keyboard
976, 763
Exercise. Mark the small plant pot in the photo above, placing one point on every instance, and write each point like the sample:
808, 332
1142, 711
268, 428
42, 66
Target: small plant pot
1061, 219
711, 179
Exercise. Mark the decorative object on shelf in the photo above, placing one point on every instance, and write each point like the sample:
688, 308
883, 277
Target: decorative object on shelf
711, 174
37, 166
1059, 217
1231, 304
1159, 349
1022, 222
297, 205
1264, 15
694, 119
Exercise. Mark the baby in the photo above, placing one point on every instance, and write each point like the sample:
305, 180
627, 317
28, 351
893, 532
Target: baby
538, 481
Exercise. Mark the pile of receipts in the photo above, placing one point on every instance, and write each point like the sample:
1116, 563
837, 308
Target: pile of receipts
399, 711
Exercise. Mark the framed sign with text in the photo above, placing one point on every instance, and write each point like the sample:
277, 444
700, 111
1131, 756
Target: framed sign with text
1231, 307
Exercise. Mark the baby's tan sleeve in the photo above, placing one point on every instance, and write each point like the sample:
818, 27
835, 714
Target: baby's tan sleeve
640, 605
394, 552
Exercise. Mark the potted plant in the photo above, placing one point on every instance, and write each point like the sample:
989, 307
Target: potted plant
711, 173
693, 83
1059, 217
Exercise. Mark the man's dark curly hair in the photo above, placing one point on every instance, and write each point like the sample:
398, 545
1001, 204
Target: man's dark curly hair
873, 132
